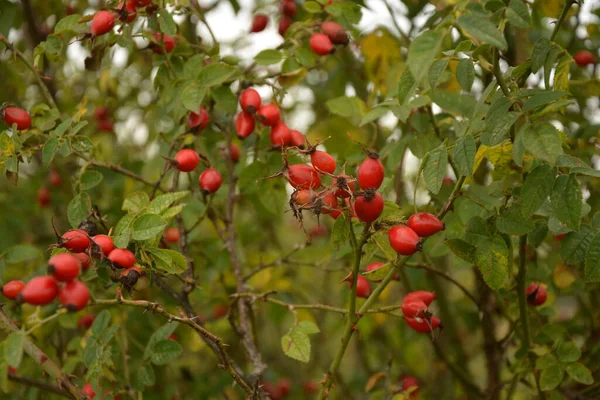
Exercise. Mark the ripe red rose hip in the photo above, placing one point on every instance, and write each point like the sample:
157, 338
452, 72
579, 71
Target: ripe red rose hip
210, 180
259, 23
84, 260
583, 58
105, 243
122, 258
54, 178
74, 296
423, 325
425, 224
269, 114
414, 308
169, 43
64, 267
368, 207
86, 321
335, 32
11, 289
297, 139
187, 160
75, 240
323, 161
321, 44
87, 388
303, 176
244, 124
280, 135
329, 203
17, 116
284, 24
172, 235
370, 172
250, 100
404, 240
377, 265
199, 120
234, 152
127, 11
39, 291
102, 23
410, 384
420, 295
288, 8
43, 197
345, 186
536, 294
363, 287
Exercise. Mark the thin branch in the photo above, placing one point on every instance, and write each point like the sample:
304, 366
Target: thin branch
498, 73
116, 168
46, 387
561, 19
392, 14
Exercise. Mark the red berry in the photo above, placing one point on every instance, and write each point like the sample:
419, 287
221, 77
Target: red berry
370, 173
259, 23
74, 296
280, 135
54, 178
172, 337
363, 287
414, 309
284, 386
536, 294
272, 390
345, 186
404, 240
219, 311
134, 272
187, 160
127, 11
321, 44
284, 24
583, 58
420, 295
169, 43
18, 116
329, 203
335, 32
11, 289
172, 235
303, 176
64, 267
105, 125
39, 291
311, 387
302, 197
142, 3
560, 236
368, 207
297, 139
323, 162
199, 120
101, 113
410, 384
250, 100
244, 124
86, 321
105, 243
288, 8
269, 114
43, 197
87, 388
210, 180
447, 181
377, 265
102, 23
75, 240
422, 325
318, 231
122, 258
425, 224
234, 152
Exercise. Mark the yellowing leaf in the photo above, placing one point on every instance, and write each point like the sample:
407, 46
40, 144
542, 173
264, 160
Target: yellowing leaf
373, 380
500, 156
563, 276
452, 84
383, 59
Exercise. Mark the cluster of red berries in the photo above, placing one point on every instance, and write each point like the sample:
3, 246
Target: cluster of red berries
279, 390
103, 119
187, 160
406, 239
288, 10
416, 312
44, 196
332, 34
536, 294
15, 116
583, 58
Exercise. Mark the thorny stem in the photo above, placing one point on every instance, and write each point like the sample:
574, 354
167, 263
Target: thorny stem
116, 168
39, 384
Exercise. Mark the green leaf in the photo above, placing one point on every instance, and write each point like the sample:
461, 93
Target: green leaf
166, 23
538, 54
307, 327
543, 141
545, 361
162, 202
346, 106
542, 99
580, 373
477, 231
215, 74
592, 262
177, 259
455, 103
436, 71
462, 249
566, 200
122, 232
101, 322
135, 202
90, 179
463, 154
406, 86
268, 57
574, 245
49, 151
379, 273
568, 352
512, 222
483, 30
160, 334
586, 171
147, 226
312, 7
518, 14
296, 345
374, 114
497, 131
193, 96
145, 375
62, 128
165, 351
551, 377
339, 233
21, 253
491, 257
70, 23
421, 53
465, 74
434, 168
13, 349
536, 189
168, 260
79, 208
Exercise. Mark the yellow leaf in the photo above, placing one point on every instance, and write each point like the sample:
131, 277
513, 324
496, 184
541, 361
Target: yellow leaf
373, 380
500, 156
383, 59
